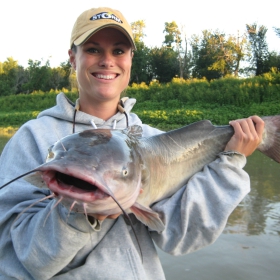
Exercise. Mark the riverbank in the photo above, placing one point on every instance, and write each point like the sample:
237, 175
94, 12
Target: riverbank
170, 105
164, 115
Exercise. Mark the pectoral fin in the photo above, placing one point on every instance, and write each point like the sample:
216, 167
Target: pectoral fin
148, 217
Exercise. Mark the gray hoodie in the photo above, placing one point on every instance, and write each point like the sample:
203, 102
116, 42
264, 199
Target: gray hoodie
44, 242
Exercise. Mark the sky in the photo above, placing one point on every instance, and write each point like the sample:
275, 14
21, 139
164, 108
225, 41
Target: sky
40, 30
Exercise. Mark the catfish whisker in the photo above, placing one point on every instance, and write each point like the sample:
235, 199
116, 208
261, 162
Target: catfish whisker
20, 176
70, 210
31, 205
59, 140
58, 201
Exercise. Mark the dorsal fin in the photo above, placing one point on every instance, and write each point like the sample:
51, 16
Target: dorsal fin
134, 130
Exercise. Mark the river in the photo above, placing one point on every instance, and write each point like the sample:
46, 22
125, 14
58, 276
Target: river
249, 247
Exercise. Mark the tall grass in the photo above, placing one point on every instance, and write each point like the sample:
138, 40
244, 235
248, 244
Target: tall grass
225, 91
173, 104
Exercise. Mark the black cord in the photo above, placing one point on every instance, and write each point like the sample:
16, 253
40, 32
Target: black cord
74, 120
122, 110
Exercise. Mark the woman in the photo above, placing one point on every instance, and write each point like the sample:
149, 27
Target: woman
73, 246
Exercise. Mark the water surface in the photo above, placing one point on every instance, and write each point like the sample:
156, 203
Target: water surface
249, 248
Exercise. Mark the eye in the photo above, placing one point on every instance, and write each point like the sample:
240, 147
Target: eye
125, 172
118, 52
92, 50
50, 153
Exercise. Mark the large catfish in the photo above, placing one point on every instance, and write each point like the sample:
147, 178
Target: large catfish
90, 170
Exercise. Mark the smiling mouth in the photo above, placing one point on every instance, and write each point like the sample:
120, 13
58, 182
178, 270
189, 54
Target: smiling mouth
105, 77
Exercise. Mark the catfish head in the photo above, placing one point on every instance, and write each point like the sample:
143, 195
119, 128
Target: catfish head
91, 170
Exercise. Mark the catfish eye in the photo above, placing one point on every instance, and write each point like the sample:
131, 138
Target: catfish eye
125, 172
50, 153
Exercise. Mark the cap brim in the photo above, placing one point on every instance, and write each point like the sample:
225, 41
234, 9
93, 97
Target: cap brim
83, 38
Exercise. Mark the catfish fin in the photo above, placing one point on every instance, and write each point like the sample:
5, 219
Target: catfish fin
134, 130
147, 216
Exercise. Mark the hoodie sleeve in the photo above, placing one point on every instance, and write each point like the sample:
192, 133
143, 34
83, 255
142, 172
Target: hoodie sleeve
196, 215
34, 239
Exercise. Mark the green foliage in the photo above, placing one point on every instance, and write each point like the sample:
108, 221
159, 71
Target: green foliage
164, 64
277, 31
217, 55
140, 70
138, 30
168, 118
213, 55
172, 104
224, 91
14, 79
172, 34
17, 109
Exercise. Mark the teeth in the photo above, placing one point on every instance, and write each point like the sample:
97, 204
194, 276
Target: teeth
106, 77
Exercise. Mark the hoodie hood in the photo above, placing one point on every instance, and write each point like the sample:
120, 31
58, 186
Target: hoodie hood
64, 110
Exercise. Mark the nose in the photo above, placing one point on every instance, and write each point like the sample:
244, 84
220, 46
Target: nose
106, 60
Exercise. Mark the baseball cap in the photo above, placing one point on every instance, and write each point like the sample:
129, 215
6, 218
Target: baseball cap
95, 19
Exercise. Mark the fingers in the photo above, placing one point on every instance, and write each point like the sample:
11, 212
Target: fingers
259, 125
247, 135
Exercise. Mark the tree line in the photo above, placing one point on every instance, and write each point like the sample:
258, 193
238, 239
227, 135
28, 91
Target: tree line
210, 55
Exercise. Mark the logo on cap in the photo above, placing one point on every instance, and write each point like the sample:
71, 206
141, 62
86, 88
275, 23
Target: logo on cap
106, 15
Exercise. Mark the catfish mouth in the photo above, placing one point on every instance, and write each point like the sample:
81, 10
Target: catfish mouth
76, 182
64, 185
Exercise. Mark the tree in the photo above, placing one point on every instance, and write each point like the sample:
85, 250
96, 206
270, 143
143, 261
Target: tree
204, 57
164, 64
12, 77
260, 54
230, 51
60, 76
172, 34
277, 31
174, 40
138, 30
273, 61
39, 77
141, 69
216, 54
21, 77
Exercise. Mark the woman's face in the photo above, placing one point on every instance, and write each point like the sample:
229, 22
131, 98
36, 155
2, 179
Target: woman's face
103, 66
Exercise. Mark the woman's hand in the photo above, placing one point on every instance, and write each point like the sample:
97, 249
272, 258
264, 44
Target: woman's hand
247, 135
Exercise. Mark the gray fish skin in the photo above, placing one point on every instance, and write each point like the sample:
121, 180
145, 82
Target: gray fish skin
100, 157
137, 171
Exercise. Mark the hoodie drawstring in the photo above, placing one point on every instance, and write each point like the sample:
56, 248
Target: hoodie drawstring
120, 108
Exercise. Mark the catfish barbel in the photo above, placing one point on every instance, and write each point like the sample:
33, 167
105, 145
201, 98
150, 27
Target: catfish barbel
91, 170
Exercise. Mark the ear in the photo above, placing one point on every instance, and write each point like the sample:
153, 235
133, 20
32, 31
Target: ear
72, 58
